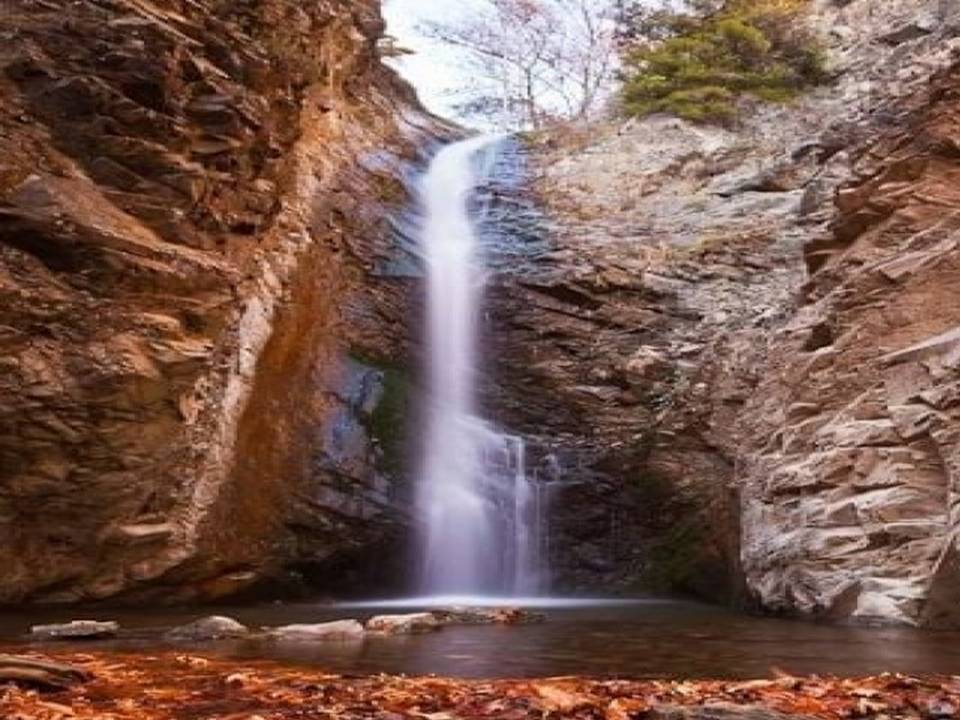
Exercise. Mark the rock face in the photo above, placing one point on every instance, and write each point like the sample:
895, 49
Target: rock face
201, 315
849, 440
745, 340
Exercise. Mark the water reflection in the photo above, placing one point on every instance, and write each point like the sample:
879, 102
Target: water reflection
666, 639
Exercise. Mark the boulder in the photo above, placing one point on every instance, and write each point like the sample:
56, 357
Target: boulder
215, 627
339, 630
413, 624
76, 630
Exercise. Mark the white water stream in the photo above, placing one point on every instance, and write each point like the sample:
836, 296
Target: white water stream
479, 510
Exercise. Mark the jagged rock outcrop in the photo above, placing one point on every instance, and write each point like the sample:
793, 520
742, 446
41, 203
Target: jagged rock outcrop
849, 442
194, 360
747, 339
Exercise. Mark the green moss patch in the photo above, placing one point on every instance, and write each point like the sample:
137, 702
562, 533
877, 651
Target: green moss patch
389, 422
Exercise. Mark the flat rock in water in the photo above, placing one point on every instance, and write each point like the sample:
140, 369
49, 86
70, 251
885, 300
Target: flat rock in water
412, 624
486, 616
321, 632
215, 627
76, 630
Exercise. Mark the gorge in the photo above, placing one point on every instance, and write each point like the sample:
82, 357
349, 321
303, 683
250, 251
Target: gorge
273, 332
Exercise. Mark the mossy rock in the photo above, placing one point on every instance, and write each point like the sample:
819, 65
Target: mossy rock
388, 422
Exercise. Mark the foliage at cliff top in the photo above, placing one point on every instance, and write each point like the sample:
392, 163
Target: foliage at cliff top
697, 62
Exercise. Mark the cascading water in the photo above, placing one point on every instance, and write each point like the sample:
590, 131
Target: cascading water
479, 510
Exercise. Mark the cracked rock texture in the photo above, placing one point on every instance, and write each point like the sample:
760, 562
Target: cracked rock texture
193, 229
746, 340
848, 442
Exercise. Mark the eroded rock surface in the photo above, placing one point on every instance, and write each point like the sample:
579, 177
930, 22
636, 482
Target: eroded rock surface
849, 441
487, 616
194, 199
746, 339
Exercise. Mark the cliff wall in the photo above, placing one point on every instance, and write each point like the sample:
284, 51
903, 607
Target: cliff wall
743, 338
202, 323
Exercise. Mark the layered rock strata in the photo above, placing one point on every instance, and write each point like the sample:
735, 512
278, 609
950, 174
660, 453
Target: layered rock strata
202, 319
743, 339
848, 442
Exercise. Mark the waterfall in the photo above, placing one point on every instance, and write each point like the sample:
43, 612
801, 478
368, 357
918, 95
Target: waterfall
478, 508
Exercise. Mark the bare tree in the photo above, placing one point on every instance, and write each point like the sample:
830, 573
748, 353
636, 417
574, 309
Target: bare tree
586, 61
532, 61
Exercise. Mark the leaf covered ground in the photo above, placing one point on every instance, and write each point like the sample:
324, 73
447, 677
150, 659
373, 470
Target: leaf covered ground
187, 687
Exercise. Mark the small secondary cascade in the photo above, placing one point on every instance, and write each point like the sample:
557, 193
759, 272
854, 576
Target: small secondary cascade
480, 512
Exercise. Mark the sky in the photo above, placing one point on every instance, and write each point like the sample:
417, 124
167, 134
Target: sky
433, 69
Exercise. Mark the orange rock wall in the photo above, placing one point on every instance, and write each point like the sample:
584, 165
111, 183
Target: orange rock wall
188, 209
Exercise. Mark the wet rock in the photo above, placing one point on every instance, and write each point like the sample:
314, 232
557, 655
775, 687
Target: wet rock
413, 624
215, 627
339, 630
486, 616
76, 630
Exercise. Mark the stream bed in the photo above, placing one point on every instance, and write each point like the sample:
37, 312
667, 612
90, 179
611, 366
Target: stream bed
640, 639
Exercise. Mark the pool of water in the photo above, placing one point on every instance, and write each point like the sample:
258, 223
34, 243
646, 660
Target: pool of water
640, 639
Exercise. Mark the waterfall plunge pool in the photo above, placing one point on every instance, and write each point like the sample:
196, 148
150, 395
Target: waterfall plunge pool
629, 639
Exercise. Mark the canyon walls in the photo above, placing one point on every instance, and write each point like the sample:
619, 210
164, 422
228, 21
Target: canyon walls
203, 309
734, 351
744, 338
849, 440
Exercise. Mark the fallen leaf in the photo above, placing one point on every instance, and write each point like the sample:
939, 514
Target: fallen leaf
626, 709
554, 698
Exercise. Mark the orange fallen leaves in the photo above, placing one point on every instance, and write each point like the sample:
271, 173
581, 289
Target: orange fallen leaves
563, 698
626, 708
187, 687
